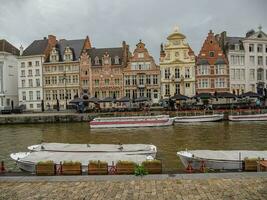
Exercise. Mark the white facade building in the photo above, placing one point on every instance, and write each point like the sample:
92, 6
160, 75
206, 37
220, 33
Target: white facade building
8, 75
247, 61
30, 81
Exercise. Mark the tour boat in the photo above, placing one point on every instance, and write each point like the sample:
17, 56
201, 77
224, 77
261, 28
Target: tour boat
199, 118
255, 117
131, 122
142, 149
219, 160
27, 161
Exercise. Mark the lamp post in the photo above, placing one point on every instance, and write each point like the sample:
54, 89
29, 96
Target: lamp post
65, 88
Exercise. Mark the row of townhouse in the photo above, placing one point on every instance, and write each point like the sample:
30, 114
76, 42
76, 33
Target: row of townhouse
54, 72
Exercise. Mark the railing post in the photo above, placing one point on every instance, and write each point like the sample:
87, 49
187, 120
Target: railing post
2, 167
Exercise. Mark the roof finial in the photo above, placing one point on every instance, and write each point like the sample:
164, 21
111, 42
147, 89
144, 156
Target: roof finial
260, 27
176, 29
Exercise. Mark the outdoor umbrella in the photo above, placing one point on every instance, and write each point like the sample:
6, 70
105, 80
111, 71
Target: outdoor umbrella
250, 94
225, 95
107, 99
179, 97
203, 96
124, 99
93, 100
76, 100
141, 99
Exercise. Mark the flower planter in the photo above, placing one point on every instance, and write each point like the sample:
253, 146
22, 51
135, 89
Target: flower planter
97, 168
251, 164
153, 166
70, 168
45, 169
125, 167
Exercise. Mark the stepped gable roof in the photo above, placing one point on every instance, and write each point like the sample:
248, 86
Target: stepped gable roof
37, 47
75, 45
5, 46
100, 52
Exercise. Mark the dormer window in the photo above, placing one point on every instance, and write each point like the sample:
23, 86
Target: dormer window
140, 55
237, 47
54, 57
96, 61
68, 56
117, 60
211, 53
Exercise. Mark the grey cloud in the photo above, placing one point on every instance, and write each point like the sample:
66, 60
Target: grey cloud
109, 22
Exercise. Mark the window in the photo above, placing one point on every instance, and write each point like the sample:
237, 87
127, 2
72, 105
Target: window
117, 81
61, 94
54, 80
30, 83
232, 59
252, 60
128, 93
260, 74
203, 83
260, 60
177, 73
37, 63
29, 72
31, 95
155, 93
47, 80
242, 74
232, 74
29, 64
134, 80
68, 94
22, 83
148, 93
96, 61
24, 96
37, 72
31, 105
242, 60
96, 82
141, 92
177, 88
141, 80
54, 94
37, 82
127, 80
155, 79
187, 72
23, 73
38, 95
22, 64
167, 90
117, 60
219, 83
211, 53
106, 81
167, 73
219, 69
251, 47
148, 79
140, 55
47, 95
252, 74
187, 85
237, 74
259, 48
75, 79
203, 69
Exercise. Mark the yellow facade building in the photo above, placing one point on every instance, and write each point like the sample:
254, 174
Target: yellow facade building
177, 66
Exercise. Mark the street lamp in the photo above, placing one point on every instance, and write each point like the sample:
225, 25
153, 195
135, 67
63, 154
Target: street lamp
65, 88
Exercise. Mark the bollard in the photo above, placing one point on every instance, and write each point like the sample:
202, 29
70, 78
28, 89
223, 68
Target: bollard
2, 167
189, 168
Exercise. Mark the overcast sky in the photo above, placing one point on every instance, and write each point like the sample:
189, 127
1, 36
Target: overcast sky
109, 22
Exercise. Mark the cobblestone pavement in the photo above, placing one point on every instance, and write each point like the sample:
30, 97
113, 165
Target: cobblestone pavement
137, 188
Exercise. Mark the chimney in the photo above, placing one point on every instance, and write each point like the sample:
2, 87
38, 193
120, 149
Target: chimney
21, 50
52, 41
162, 52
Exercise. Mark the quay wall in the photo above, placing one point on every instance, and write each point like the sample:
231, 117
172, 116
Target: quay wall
67, 117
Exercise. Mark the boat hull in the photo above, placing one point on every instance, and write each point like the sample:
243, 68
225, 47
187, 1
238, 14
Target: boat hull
202, 118
132, 124
258, 117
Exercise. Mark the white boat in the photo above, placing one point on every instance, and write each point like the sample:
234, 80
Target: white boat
131, 122
27, 161
255, 117
219, 160
199, 118
142, 149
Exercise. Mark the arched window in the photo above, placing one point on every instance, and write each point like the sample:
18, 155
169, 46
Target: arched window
96, 60
68, 55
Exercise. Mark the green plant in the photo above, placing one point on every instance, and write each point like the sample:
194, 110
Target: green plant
151, 161
125, 162
71, 163
46, 162
139, 170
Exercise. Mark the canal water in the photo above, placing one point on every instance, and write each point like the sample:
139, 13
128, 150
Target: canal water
169, 140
